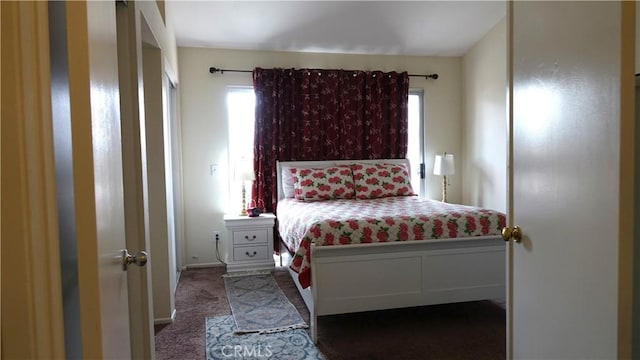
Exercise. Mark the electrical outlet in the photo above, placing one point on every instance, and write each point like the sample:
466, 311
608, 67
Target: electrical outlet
217, 236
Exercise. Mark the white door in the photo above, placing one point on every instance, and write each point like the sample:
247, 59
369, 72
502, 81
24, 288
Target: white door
566, 180
97, 163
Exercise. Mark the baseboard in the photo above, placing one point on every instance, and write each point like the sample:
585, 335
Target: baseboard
163, 321
205, 265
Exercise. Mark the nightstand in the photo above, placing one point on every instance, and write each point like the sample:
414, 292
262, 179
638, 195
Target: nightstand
249, 242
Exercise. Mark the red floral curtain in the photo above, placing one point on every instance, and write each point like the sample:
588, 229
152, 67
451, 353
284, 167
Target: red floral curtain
325, 115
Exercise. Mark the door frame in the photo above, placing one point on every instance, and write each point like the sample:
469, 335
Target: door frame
31, 259
509, 245
626, 188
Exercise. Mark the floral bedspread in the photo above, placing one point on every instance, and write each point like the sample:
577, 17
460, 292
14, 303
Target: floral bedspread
401, 218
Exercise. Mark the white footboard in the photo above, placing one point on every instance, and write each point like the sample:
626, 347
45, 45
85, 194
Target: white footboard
363, 277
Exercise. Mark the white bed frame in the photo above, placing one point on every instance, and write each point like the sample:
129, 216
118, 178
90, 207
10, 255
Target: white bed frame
364, 277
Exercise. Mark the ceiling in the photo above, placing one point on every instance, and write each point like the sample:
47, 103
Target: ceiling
431, 28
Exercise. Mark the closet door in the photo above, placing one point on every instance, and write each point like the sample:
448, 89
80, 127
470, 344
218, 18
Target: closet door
570, 179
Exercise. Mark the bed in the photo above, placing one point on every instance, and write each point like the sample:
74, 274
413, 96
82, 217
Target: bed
361, 244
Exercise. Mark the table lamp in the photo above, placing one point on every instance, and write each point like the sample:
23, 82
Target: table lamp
444, 165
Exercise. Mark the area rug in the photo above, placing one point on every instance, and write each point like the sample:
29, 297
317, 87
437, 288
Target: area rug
223, 343
259, 305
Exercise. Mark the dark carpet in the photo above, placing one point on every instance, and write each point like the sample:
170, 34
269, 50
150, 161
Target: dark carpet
473, 330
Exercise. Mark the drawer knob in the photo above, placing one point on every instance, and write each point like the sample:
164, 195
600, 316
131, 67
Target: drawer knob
250, 239
251, 255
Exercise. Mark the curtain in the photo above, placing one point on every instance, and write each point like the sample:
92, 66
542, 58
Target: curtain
325, 115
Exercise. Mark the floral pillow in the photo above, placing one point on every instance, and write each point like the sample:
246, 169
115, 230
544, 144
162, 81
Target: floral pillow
381, 180
314, 184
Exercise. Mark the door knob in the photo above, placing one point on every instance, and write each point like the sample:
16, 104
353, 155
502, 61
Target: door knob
139, 259
514, 233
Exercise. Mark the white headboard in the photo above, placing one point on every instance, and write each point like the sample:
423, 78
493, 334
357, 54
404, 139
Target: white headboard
326, 163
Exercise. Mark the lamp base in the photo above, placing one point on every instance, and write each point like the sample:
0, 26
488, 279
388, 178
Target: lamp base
243, 209
444, 188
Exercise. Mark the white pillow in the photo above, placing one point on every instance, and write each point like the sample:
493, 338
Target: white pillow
288, 181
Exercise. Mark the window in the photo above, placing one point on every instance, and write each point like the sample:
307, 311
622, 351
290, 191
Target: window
241, 117
415, 148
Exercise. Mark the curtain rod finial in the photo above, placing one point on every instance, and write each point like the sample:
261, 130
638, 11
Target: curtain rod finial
214, 70
432, 76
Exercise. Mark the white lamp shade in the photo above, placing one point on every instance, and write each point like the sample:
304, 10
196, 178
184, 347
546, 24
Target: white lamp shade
444, 165
243, 170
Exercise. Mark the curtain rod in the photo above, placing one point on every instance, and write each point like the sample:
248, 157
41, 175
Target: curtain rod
214, 70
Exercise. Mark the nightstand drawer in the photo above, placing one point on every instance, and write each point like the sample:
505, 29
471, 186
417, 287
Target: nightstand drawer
258, 236
251, 253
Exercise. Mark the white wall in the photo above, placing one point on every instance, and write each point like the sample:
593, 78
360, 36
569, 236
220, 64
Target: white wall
204, 124
484, 133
